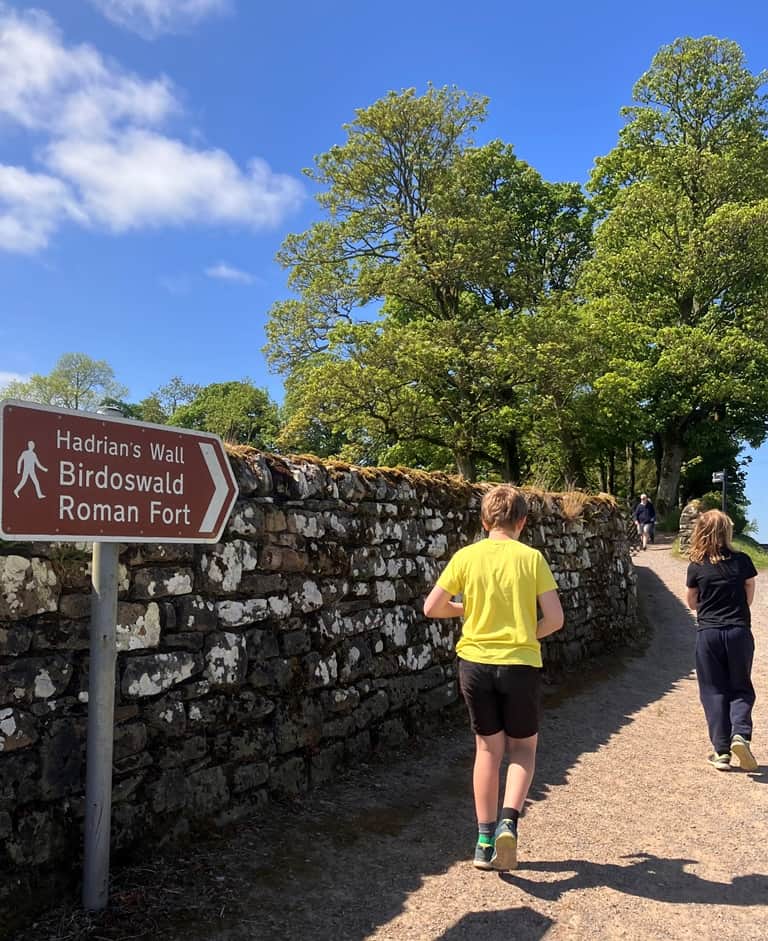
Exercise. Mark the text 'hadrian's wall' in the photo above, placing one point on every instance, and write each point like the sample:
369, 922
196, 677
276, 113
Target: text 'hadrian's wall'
256, 667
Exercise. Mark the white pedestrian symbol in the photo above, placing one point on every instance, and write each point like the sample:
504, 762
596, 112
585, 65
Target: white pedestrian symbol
27, 466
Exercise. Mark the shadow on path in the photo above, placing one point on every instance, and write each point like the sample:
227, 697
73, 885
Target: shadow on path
650, 877
520, 924
592, 706
343, 862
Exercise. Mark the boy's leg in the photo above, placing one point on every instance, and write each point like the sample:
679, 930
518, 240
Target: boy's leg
477, 687
485, 778
521, 686
522, 761
522, 764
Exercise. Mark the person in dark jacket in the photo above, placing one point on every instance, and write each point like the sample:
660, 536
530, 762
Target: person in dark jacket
645, 519
721, 586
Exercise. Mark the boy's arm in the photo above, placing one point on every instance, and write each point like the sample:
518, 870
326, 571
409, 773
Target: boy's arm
692, 598
439, 605
552, 617
749, 590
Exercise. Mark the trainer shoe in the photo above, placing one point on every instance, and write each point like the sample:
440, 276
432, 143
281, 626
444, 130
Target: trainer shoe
721, 762
740, 748
505, 845
483, 854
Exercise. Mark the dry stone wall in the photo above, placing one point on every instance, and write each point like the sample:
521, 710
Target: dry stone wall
256, 667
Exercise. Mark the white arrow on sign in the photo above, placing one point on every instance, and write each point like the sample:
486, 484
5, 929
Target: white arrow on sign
220, 482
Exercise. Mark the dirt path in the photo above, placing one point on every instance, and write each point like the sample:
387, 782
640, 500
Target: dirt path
629, 834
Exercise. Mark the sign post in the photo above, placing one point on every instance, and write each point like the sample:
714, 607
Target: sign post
720, 477
101, 715
77, 476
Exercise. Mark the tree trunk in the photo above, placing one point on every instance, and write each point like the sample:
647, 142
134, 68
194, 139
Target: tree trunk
630, 472
510, 449
672, 455
603, 475
612, 472
465, 464
658, 455
575, 474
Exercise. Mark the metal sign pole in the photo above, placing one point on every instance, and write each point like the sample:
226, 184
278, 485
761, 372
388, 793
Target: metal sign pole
725, 499
101, 712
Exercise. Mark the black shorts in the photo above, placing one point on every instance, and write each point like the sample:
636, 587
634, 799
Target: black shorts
501, 698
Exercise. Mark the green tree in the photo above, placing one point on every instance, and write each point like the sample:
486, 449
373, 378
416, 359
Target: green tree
76, 382
679, 281
175, 393
406, 326
238, 411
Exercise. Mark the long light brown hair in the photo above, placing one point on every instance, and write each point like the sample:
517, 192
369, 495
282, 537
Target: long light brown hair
712, 537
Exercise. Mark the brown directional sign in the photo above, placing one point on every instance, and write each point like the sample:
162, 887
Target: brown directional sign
80, 476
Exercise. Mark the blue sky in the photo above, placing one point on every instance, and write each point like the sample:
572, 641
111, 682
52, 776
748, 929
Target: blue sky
151, 150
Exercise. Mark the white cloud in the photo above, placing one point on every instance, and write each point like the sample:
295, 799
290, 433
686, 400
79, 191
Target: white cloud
7, 376
152, 18
31, 207
146, 179
106, 160
225, 272
69, 90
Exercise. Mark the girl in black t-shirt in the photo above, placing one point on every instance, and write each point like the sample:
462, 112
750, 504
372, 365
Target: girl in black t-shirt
721, 585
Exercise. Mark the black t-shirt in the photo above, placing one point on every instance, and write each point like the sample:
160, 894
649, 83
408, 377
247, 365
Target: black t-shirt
722, 598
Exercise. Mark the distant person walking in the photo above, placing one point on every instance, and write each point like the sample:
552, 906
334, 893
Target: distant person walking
645, 519
721, 586
27, 466
501, 582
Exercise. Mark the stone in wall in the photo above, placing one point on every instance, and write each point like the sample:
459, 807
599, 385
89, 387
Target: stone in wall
223, 565
226, 661
159, 582
195, 613
17, 729
15, 639
138, 626
36, 678
241, 613
151, 675
27, 587
688, 518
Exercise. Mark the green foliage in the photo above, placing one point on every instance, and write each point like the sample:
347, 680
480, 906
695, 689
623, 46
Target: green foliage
76, 382
670, 521
175, 393
238, 411
151, 410
679, 280
754, 550
452, 248
713, 500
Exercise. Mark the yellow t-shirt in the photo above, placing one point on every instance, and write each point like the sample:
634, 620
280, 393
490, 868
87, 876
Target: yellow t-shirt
499, 580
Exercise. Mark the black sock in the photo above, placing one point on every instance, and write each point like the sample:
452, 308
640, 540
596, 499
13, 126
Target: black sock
509, 813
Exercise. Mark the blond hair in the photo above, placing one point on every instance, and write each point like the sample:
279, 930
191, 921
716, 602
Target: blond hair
712, 536
503, 507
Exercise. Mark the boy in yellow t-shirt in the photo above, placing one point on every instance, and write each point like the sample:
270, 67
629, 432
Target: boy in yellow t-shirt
501, 581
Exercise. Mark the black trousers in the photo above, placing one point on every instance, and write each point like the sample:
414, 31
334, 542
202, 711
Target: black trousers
724, 667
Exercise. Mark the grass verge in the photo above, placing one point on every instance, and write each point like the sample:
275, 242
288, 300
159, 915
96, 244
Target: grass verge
744, 544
